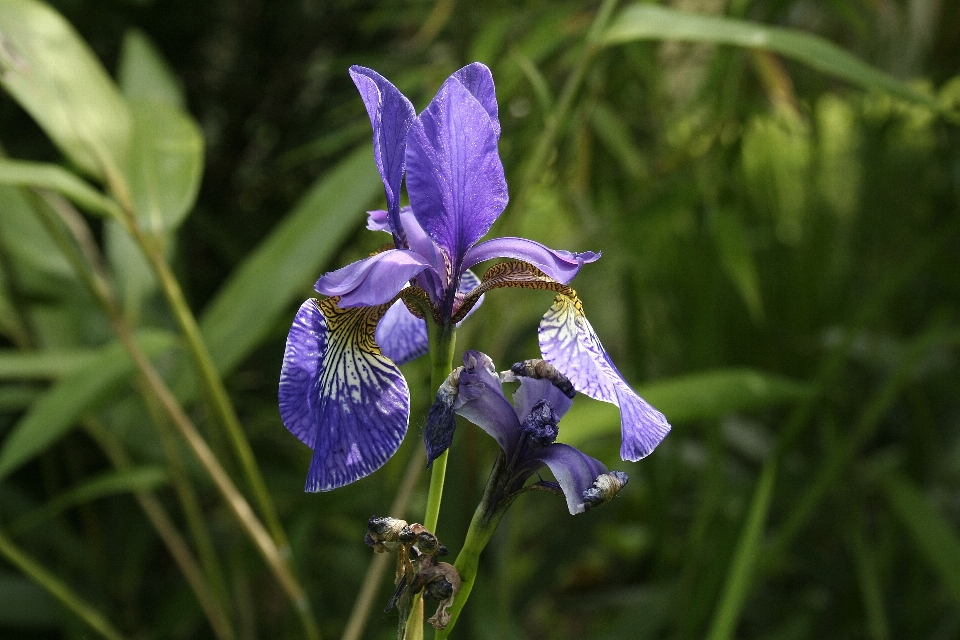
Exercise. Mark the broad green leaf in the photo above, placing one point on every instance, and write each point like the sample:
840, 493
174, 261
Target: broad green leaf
144, 75
53, 74
165, 164
32, 252
166, 155
698, 396
43, 175
58, 410
26, 604
650, 22
41, 365
935, 539
146, 478
737, 261
289, 259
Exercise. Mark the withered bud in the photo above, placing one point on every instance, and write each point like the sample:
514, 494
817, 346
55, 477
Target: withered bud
604, 489
540, 369
386, 534
439, 581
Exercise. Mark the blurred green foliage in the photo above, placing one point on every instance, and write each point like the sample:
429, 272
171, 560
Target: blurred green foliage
780, 223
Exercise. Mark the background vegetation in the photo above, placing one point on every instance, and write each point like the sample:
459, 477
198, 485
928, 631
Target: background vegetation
781, 233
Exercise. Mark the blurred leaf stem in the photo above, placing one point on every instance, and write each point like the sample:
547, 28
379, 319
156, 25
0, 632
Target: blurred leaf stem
217, 393
85, 611
86, 268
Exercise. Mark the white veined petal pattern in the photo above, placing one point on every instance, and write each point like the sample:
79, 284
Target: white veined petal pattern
353, 407
569, 343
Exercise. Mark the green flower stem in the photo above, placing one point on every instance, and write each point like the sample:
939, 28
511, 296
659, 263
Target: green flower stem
442, 343
57, 589
482, 527
443, 340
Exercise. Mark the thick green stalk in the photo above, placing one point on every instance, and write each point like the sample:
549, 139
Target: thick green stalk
442, 342
482, 527
57, 589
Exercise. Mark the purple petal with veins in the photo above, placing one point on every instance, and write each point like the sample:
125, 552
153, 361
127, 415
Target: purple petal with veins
478, 80
454, 176
480, 400
401, 335
391, 115
560, 265
340, 396
569, 343
374, 280
573, 469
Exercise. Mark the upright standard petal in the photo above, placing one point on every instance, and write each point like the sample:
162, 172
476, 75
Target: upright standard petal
568, 342
562, 266
340, 395
574, 470
454, 176
374, 280
478, 80
391, 115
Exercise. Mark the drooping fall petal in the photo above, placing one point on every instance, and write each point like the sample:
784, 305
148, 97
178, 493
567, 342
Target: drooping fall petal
568, 342
340, 395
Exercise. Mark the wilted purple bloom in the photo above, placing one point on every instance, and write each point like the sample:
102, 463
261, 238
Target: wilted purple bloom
341, 391
526, 430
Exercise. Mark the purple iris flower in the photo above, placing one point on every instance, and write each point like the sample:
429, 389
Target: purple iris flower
525, 430
341, 391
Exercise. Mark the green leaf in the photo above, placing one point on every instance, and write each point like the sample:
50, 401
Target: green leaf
27, 604
737, 261
263, 288
53, 74
739, 579
41, 365
146, 478
43, 175
165, 164
935, 539
143, 74
699, 396
31, 249
58, 410
650, 22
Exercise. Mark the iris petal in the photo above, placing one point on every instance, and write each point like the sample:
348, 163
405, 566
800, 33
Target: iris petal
454, 176
478, 80
391, 115
401, 335
574, 470
568, 342
562, 266
533, 390
340, 395
374, 280
481, 401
